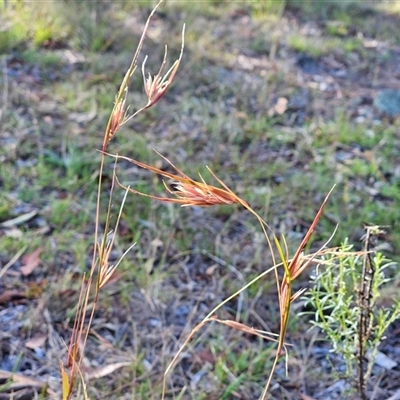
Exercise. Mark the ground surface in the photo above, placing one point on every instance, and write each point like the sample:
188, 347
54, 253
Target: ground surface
281, 101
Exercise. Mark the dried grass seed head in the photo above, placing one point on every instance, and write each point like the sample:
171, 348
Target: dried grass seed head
156, 86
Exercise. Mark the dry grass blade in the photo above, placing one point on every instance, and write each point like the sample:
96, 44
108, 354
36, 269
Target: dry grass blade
64, 381
12, 261
295, 268
292, 270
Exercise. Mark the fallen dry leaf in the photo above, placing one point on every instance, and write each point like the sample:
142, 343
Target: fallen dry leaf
13, 382
279, 108
157, 243
211, 269
105, 370
13, 233
19, 220
36, 341
10, 295
206, 356
30, 261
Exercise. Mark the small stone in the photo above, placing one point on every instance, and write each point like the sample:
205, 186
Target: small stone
384, 361
388, 102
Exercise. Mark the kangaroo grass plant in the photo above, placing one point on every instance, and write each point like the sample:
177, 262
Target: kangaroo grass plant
155, 88
186, 192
